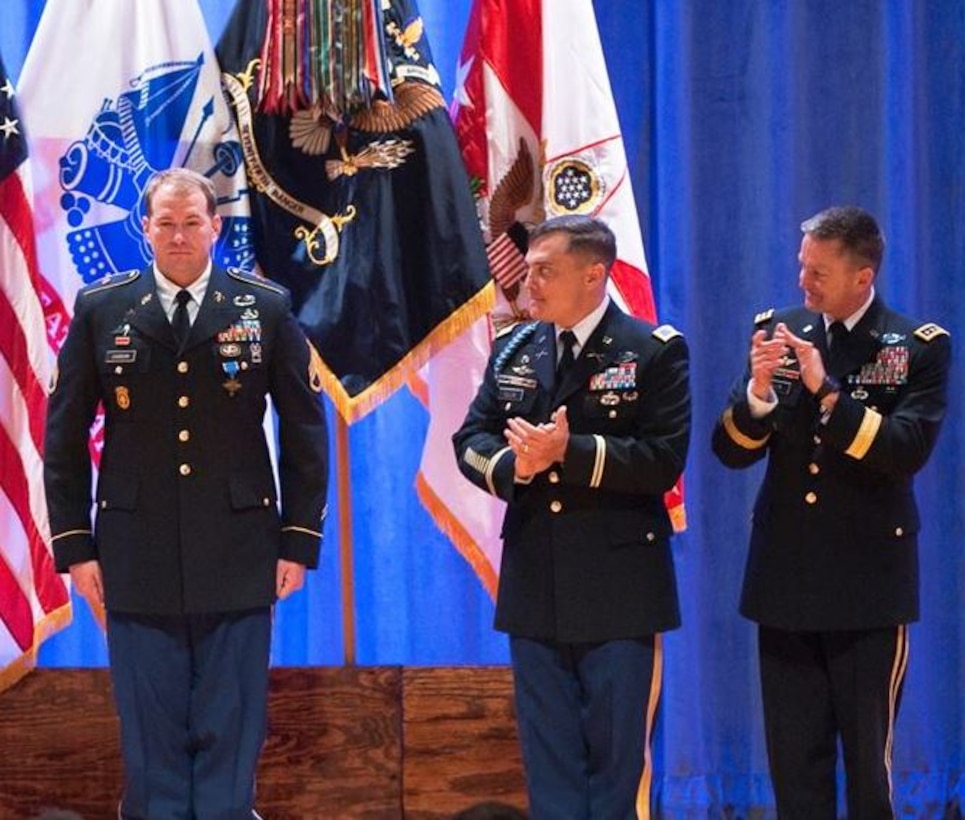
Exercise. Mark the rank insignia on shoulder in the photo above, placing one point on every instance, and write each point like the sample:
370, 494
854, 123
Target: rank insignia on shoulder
665, 333
254, 279
929, 331
764, 316
113, 280
505, 329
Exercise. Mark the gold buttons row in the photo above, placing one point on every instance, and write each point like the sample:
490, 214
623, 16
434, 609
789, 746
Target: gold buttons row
184, 435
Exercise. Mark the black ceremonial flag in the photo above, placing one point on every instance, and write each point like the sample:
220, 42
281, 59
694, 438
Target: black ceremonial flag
361, 204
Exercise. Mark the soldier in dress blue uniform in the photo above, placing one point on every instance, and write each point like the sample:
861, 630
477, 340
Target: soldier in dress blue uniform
193, 543
583, 452
844, 398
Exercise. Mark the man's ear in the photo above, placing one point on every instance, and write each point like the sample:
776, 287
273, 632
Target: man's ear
595, 273
866, 275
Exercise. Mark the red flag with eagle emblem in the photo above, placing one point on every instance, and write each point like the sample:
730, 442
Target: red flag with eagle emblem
538, 129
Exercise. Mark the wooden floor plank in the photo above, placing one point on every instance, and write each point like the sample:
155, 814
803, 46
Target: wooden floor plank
459, 740
374, 743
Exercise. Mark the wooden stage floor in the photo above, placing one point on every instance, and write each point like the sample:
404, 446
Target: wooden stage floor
365, 742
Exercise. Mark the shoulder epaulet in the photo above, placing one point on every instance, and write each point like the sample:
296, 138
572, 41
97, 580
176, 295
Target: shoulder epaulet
254, 279
516, 340
112, 280
665, 333
929, 331
763, 317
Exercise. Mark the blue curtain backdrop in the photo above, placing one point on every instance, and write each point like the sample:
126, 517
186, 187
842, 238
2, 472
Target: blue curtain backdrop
741, 118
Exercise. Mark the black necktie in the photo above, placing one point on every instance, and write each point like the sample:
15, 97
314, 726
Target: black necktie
181, 322
567, 340
837, 341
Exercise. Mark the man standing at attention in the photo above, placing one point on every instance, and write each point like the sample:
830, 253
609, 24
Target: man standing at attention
581, 425
845, 399
191, 547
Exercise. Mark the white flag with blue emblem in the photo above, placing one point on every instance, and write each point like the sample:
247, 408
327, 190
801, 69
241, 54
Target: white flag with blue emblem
114, 91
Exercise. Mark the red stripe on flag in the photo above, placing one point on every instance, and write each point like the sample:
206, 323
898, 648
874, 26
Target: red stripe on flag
15, 612
15, 211
588, 147
507, 264
15, 216
514, 51
51, 591
13, 347
634, 287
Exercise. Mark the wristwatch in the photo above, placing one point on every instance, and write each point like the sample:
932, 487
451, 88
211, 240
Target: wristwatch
828, 386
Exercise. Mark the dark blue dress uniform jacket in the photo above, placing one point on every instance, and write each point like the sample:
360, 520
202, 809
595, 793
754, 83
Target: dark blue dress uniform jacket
186, 514
586, 552
835, 524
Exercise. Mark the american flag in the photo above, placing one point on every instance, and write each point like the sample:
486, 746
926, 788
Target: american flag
506, 261
34, 599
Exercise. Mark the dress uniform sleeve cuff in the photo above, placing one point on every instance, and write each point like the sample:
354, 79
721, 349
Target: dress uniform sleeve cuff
743, 429
73, 547
301, 545
852, 427
585, 460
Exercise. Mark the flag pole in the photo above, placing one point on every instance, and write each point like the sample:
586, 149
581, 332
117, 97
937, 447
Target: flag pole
345, 539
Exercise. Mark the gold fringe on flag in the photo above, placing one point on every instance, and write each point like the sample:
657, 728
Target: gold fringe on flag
463, 541
352, 408
52, 622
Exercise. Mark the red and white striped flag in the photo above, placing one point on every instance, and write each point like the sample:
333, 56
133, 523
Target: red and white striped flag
34, 599
538, 129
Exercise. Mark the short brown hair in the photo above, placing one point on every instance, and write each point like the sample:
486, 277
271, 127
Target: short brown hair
587, 235
181, 179
854, 228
